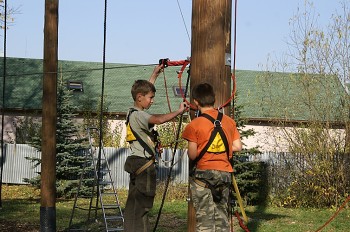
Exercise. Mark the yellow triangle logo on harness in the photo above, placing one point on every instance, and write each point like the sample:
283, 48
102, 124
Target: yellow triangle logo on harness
130, 137
217, 146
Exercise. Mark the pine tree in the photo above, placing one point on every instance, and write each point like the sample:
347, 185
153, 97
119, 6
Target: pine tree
250, 176
70, 149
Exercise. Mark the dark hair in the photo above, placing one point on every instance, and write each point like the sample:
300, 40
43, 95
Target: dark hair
143, 87
204, 94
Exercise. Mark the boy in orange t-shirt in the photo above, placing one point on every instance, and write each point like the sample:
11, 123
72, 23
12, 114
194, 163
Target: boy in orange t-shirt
211, 177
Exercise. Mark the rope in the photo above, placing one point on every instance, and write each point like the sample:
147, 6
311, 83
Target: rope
184, 64
102, 101
335, 214
233, 76
240, 221
167, 98
232, 94
165, 162
166, 92
172, 162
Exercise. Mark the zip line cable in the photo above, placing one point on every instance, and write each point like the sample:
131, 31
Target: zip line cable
3, 102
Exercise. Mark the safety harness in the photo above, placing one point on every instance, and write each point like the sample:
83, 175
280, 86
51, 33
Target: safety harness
132, 136
217, 144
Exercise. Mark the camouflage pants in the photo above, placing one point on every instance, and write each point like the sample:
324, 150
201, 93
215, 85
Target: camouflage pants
211, 204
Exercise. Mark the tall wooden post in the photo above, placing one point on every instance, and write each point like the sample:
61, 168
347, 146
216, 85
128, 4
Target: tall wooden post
211, 55
49, 105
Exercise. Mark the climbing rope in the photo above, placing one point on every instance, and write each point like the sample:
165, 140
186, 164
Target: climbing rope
166, 62
234, 60
167, 98
102, 103
240, 222
184, 64
172, 160
335, 214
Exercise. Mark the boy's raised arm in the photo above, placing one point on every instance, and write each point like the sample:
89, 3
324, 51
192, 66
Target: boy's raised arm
156, 71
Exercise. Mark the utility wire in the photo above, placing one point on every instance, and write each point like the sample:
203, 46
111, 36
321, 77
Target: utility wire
79, 70
183, 20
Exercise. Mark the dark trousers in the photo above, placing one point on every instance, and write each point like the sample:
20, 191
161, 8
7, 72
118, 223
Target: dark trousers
140, 196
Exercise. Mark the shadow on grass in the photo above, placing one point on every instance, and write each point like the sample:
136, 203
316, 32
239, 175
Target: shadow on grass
259, 215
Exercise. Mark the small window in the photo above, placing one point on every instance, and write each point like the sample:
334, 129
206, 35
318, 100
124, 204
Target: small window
76, 86
179, 92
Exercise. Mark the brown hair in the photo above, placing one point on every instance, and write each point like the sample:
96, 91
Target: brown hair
204, 94
143, 87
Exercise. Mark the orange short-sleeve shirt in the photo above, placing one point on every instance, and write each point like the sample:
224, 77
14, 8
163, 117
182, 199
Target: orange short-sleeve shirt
199, 131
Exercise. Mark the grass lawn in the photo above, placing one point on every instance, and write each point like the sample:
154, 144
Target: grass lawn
21, 212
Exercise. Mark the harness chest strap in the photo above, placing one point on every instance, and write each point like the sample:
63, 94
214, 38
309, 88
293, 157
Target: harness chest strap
143, 144
216, 131
138, 138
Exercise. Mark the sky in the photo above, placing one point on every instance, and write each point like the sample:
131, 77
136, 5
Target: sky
142, 32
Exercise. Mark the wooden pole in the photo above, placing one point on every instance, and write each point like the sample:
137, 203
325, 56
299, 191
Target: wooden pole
49, 106
211, 55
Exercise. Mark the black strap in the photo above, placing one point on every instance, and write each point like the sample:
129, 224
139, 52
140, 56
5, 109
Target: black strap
138, 138
217, 129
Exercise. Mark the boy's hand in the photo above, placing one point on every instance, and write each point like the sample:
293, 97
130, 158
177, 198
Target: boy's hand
183, 107
156, 71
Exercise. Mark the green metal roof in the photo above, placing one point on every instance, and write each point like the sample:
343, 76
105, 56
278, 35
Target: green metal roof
264, 95
24, 84
290, 96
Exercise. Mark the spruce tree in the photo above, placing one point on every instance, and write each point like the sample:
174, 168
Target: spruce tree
251, 176
70, 149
